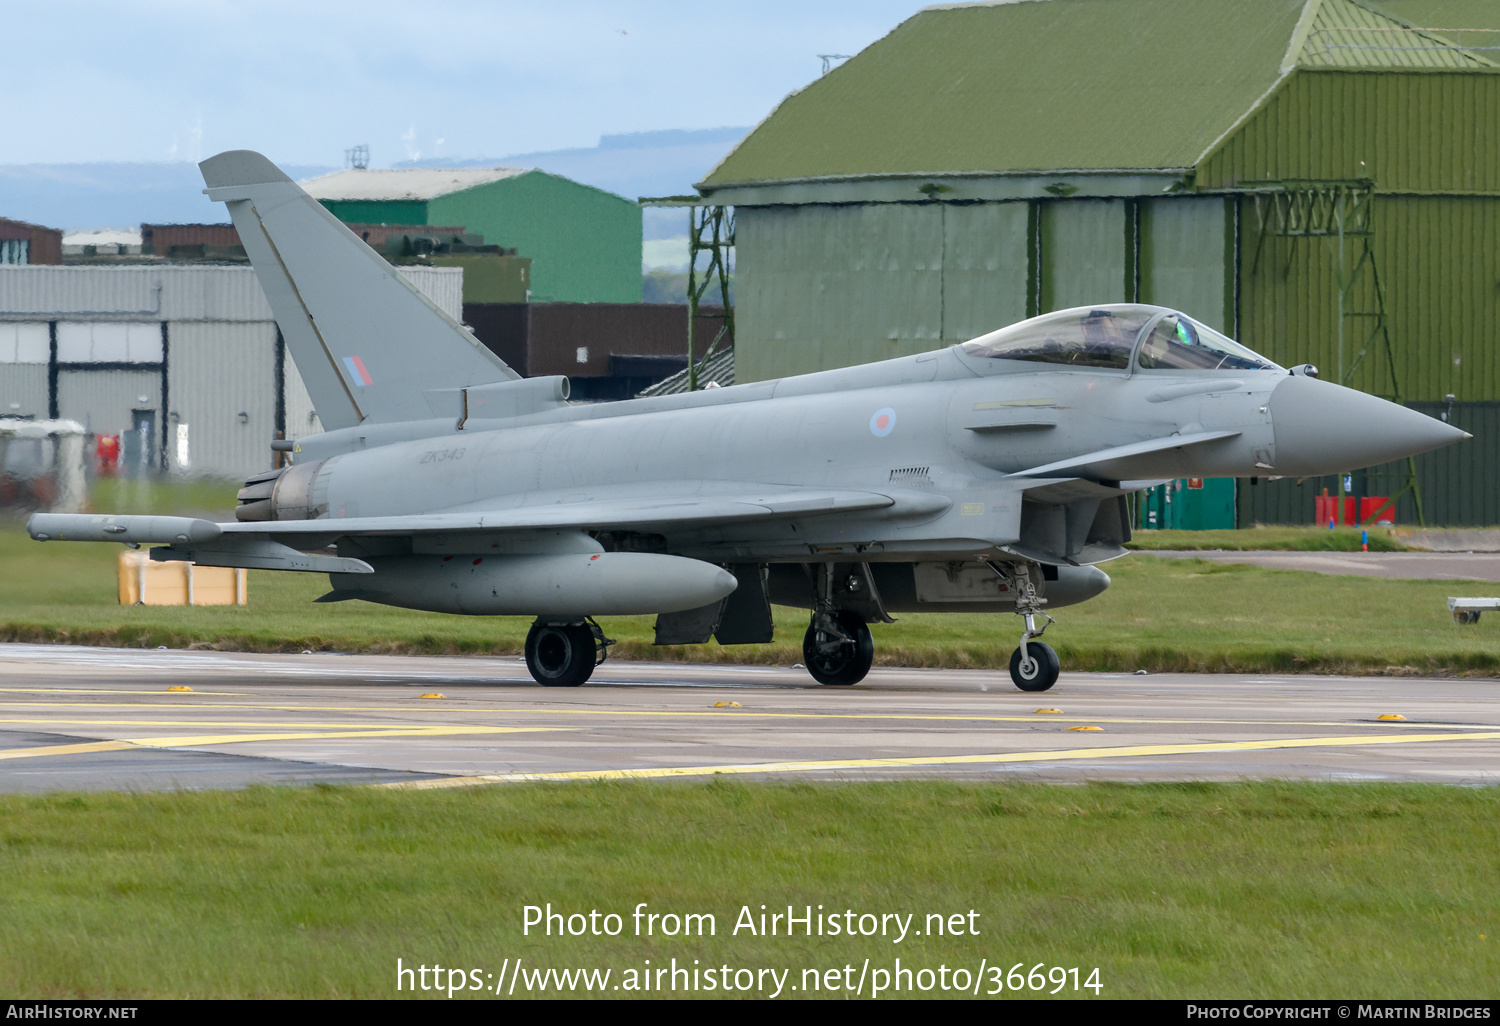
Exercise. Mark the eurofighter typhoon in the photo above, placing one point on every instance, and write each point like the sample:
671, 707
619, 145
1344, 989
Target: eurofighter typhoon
989, 476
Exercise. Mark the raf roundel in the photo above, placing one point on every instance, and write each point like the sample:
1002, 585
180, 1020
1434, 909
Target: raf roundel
883, 422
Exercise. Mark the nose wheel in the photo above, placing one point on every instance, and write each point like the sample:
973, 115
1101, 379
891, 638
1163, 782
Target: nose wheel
1034, 667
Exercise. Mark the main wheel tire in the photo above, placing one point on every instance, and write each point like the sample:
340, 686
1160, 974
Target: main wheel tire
1037, 673
846, 664
560, 656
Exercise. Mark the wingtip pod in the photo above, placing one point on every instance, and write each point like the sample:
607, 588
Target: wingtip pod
239, 167
139, 529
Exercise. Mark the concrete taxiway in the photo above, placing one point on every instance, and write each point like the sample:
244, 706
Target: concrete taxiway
74, 718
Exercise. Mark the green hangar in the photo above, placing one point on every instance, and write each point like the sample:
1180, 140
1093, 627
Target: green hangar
1318, 178
584, 243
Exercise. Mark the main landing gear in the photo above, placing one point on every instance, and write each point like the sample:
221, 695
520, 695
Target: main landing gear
563, 655
1033, 666
837, 648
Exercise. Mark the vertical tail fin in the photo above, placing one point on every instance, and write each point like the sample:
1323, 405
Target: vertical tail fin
366, 342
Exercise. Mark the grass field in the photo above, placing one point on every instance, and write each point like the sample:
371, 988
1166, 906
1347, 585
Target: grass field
1255, 890
1158, 615
1248, 890
1283, 538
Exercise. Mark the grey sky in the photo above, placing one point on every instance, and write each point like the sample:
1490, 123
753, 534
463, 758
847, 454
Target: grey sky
300, 81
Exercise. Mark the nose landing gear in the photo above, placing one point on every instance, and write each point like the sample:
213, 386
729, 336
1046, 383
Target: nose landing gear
1033, 665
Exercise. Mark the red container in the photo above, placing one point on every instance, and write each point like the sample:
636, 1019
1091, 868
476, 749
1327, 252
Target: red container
106, 455
1327, 504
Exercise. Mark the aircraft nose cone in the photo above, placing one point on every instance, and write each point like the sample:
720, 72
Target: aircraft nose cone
1322, 428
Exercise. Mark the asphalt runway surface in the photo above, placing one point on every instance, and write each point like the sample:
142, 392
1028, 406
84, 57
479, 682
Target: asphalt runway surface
1421, 566
75, 718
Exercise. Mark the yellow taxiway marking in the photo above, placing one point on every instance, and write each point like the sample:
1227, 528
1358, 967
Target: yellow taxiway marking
192, 741
92, 746
716, 714
252, 723
1067, 754
110, 691
322, 735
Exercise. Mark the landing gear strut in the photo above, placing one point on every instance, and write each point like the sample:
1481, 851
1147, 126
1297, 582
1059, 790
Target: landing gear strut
837, 648
1033, 666
563, 655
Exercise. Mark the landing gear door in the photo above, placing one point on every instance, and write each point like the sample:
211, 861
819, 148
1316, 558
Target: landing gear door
747, 610
690, 626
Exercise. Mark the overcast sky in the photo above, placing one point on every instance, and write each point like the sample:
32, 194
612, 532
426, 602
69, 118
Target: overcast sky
301, 81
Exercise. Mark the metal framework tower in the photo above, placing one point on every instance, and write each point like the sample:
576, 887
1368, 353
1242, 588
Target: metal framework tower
711, 232
1340, 213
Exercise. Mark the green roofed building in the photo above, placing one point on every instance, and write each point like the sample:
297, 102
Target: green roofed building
584, 243
1320, 178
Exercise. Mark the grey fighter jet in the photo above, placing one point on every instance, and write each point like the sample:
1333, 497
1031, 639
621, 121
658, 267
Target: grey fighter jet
989, 476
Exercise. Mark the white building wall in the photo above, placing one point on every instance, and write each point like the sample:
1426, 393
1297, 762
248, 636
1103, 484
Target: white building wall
217, 372
172, 292
102, 401
220, 354
24, 352
23, 390
301, 417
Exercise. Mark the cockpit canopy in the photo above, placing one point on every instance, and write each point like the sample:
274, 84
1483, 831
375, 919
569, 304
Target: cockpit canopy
1109, 336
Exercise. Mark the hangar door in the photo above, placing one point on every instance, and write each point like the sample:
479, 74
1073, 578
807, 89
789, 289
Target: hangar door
1084, 248
826, 285
1187, 258
109, 379
25, 349
222, 386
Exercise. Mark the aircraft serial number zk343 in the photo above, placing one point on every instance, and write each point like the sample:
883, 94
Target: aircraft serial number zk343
988, 476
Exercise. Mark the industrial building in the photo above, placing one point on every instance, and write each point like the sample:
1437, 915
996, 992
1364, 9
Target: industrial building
183, 362
610, 351
1318, 178
24, 243
584, 243
491, 274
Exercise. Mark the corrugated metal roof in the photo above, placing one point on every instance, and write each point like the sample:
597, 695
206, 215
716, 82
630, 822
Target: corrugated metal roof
1443, 14
1061, 86
1047, 85
407, 184
172, 292
717, 368
104, 237
443, 285
1346, 34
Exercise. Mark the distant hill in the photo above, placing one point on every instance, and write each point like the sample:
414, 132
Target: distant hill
84, 197
664, 163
